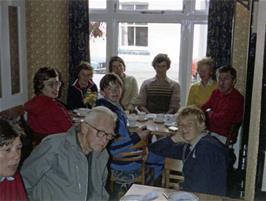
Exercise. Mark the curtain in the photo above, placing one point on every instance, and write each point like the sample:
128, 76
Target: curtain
78, 35
220, 25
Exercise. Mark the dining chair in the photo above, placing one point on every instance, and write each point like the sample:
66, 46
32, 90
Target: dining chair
172, 173
138, 155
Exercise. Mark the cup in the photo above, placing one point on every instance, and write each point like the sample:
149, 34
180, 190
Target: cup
141, 116
159, 118
132, 120
169, 120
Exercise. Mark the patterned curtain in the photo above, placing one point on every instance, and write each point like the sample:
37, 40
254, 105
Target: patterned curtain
220, 25
78, 34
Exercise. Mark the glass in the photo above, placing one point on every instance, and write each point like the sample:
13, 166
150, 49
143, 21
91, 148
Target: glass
14, 48
102, 133
98, 50
53, 84
97, 4
150, 5
138, 59
199, 48
201, 4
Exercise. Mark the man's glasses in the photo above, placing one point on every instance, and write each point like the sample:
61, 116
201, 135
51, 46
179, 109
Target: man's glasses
53, 84
102, 133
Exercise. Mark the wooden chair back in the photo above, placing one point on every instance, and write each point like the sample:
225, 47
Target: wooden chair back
232, 137
172, 173
139, 155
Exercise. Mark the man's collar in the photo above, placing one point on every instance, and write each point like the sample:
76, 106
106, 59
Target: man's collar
195, 141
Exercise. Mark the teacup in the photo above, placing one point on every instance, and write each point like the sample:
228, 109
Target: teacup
159, 118
141, 116
132, 120
169, 120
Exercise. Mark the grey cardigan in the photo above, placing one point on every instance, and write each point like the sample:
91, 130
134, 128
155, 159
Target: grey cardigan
57, 169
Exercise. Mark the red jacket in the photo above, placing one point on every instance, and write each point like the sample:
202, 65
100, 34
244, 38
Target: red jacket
226, 110
12, 190
47, 116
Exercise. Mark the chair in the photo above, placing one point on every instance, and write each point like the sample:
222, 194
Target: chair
232, 137
172, 173
132, 156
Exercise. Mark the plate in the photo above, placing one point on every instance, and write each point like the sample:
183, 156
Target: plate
146, 197
182, 196
82, 111
132, 198
141, 120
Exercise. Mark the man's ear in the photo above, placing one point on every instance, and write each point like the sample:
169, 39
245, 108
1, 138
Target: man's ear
202, 126
102, 93
83, 127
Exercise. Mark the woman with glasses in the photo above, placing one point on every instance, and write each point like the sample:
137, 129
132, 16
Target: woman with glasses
46, 115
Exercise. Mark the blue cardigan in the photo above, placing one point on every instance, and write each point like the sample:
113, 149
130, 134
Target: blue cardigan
204, 167
124, 141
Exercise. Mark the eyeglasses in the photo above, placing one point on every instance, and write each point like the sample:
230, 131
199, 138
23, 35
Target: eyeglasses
53, 84
102, 133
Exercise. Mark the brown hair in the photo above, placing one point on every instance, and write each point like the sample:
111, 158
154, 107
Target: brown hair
7, 132
161, 58
113, 59
108, 79
227, 68
43, 74
193, 111
83, 66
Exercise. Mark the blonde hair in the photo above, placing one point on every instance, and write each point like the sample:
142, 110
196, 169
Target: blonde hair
192, 111
206, 61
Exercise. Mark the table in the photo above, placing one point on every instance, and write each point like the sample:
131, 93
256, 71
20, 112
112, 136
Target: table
137, 189
155, 128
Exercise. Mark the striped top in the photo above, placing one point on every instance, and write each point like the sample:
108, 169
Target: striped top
158, 96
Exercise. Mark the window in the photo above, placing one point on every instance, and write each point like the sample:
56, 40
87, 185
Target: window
137, 30
13, 71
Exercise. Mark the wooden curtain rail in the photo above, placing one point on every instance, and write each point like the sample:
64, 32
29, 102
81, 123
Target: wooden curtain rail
245, 3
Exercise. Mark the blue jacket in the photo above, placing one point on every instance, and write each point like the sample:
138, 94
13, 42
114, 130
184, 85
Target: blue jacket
204, 167
125, 140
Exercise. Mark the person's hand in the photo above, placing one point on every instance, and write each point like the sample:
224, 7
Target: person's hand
143, 132
177, 137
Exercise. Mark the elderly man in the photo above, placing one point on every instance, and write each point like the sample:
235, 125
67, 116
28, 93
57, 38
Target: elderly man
204, 157
159, 94
225, 106
72, 166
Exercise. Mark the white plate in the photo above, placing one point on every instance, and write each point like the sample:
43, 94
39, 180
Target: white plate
182, 196
82, 111
132, 198
146, 197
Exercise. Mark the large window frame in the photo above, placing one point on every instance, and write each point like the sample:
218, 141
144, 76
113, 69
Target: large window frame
8, 98
187, 17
